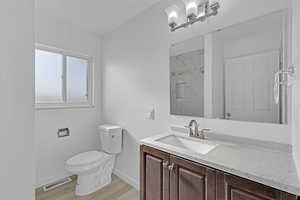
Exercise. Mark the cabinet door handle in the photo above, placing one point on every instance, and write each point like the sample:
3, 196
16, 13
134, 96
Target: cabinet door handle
165, 164
171, 167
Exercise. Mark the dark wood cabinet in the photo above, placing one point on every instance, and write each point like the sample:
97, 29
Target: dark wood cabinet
168, 177
231, 187
191, 181
154, 177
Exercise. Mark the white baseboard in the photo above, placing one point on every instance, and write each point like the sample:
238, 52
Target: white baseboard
43, 182
133, 182
40, 186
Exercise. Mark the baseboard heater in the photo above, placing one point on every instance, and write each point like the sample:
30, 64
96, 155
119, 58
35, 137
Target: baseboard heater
56, 184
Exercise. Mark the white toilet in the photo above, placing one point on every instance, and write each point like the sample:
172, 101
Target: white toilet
94, 168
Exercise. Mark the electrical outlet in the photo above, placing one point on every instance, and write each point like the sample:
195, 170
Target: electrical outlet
63, 132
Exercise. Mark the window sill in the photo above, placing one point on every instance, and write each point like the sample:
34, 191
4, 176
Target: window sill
62, 106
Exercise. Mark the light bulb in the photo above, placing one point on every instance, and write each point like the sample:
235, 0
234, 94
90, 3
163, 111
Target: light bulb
191, 7
173, 15
201, 10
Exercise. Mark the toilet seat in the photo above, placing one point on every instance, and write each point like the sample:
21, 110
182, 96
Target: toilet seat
86, 158
87, 161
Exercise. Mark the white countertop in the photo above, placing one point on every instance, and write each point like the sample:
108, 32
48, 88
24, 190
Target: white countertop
269, 166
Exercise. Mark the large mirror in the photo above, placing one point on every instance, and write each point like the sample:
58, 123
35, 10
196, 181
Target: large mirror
232, 73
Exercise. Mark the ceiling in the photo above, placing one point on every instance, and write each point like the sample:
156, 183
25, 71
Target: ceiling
97, 16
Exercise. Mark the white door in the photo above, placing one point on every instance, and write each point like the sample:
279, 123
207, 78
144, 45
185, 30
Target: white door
249, 82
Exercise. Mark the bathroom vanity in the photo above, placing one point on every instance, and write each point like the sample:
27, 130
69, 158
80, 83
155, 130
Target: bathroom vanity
174, 166
237, 73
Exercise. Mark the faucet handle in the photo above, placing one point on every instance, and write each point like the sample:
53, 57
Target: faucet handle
205, 130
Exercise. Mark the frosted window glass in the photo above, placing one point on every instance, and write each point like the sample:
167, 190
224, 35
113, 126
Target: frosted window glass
77, 79
48, 73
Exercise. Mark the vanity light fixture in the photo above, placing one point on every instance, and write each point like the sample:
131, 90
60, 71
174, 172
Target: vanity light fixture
195, 10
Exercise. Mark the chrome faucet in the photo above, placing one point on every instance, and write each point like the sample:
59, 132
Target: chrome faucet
195, 132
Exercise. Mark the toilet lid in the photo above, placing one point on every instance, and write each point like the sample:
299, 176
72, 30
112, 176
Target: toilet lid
86, 158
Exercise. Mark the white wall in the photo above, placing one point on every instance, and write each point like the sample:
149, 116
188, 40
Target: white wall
52, 152
296, 87
17, 87
214, 87
218, 77
136, 77
208, 78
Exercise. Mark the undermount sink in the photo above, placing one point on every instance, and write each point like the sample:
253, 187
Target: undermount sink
195, 145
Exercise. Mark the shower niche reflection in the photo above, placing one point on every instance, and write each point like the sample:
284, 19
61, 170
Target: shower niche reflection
232, 73
187, 78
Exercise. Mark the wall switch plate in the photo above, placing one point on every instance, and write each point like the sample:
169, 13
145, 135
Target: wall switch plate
150, 115
63, 132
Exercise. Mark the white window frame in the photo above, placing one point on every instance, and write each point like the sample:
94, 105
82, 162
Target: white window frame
90, 80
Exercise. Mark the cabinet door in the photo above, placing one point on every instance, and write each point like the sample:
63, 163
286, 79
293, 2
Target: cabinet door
154, 177
191, 181
230, 187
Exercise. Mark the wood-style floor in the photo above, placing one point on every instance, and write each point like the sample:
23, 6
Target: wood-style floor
117, 190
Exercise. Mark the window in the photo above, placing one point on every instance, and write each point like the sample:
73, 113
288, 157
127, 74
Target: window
62, 79
48, 73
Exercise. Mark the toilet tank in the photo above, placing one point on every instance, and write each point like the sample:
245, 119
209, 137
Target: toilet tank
110, 138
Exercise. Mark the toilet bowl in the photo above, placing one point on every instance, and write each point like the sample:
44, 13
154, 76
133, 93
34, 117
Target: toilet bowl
94, 168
